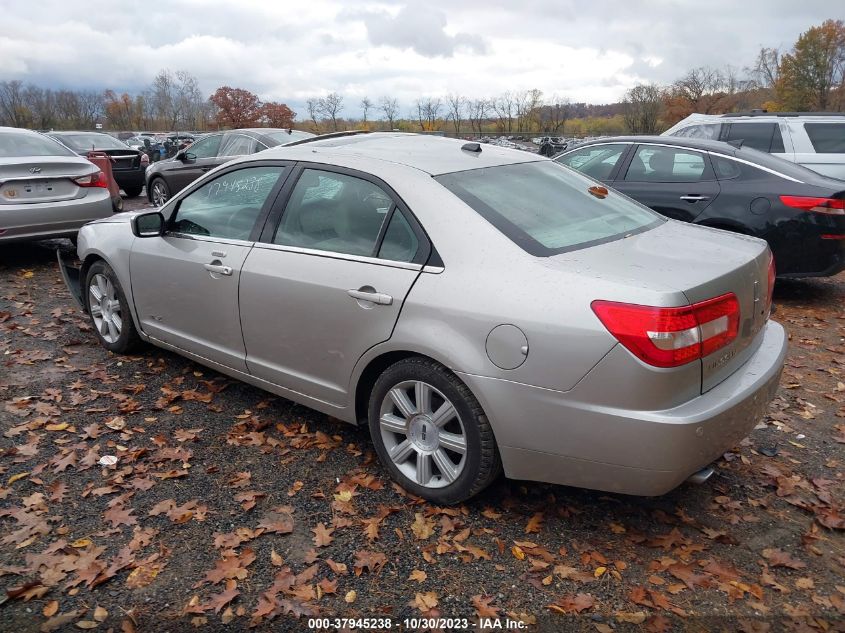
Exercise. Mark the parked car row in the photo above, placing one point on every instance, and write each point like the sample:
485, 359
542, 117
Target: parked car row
344, 274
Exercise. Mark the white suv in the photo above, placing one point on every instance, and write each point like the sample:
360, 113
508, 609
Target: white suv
813, 139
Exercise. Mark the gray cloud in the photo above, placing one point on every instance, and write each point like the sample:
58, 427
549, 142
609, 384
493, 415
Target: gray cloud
419, 28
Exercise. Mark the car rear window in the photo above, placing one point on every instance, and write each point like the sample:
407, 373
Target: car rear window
19, 144
547, 209
827, 138
88, 142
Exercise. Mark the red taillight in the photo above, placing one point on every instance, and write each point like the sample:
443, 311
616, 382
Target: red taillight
772, 275
97, 179
828, 206
669, 337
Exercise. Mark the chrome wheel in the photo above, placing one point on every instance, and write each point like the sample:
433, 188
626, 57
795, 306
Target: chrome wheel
160, 193
423, 434
105, 308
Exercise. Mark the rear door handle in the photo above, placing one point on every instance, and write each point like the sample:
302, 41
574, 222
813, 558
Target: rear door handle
220, 269
375, 297
694, 198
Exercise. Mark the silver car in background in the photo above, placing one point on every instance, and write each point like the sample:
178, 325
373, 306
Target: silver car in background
45, 189
478, 307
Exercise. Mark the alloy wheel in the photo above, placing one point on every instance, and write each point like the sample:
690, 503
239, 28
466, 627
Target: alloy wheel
160, 193
423, 434
105, 308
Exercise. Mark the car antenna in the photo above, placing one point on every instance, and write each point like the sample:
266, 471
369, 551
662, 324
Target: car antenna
471, 147
737, 143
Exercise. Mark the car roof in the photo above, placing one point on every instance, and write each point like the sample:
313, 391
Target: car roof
66, 132
692, 143
431, 154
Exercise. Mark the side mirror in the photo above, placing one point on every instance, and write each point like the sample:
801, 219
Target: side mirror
148, 224
185, 156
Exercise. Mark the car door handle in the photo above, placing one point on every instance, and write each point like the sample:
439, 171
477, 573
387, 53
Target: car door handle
695, 198
220, 269
375, 297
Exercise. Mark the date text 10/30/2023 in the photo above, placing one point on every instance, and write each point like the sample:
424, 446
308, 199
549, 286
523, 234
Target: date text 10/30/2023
415, 624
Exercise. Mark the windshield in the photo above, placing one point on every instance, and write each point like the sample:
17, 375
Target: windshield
283, 137
87, 142
547, 209
16, 144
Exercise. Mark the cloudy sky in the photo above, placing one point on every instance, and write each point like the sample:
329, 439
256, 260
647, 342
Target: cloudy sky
291, 50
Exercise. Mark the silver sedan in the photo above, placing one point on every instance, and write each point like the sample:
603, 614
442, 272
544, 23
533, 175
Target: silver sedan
479, 308
45, 189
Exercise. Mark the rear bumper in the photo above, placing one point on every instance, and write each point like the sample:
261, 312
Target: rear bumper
53, 219
549, 436
72, 277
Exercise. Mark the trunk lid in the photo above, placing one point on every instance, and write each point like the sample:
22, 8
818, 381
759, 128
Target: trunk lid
125, 159
30, 179
692, 262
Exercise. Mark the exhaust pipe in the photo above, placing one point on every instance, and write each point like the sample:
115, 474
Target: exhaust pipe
701, 476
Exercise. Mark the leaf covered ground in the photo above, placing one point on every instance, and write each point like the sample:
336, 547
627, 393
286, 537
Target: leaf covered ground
227, 508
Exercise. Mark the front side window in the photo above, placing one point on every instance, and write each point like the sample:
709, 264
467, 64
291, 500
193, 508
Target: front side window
228, 206
702, 130
238, 145
827, 138
334, 212
206, 147
20, 144
652, 163
547, 209
597, 161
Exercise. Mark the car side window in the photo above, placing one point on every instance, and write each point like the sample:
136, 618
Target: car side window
701, 130
206, 147
334, 212
725, 168
238, 145
760, 135
228, 206
667, 164
827, 138
400, 243
597, 161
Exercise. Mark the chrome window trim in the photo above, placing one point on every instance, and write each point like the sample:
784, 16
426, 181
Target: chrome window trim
209, 238
343, 256
691, 149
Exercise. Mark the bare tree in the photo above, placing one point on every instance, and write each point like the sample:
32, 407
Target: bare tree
555, 115
456, 104
313, 106
478, 111
330, 106
641, 108
503, 106
12, 107
390, 108
428, 111
701, 87
366, 106
766, 69
42, 104
531, 106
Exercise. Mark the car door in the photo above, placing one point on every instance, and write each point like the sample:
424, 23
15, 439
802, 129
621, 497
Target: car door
600, 161
327, 280
185, 283
194, 162
674, 181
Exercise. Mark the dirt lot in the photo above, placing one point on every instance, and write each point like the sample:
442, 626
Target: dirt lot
229, 508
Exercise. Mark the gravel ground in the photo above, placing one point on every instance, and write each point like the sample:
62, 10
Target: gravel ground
230, 508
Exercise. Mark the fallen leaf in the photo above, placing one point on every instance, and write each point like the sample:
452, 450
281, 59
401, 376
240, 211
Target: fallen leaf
779, 558
418, 575
573, 604
322, 535
50, 608
350, 596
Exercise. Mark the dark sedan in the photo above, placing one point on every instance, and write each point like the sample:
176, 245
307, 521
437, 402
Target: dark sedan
167, 177
800, 213
127, 164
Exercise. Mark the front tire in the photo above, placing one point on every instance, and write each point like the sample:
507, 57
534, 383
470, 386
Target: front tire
159, 192
430, 432
133, 192
109, 309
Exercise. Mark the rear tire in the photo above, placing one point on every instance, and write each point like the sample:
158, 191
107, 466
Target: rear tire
431, 433
133, 192
108, 310
159, 192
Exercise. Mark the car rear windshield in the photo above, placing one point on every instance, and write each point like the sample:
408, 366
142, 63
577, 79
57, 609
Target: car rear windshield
548, 209
827, 138
86, 142
19, 144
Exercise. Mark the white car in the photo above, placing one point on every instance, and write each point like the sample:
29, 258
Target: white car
815, 140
